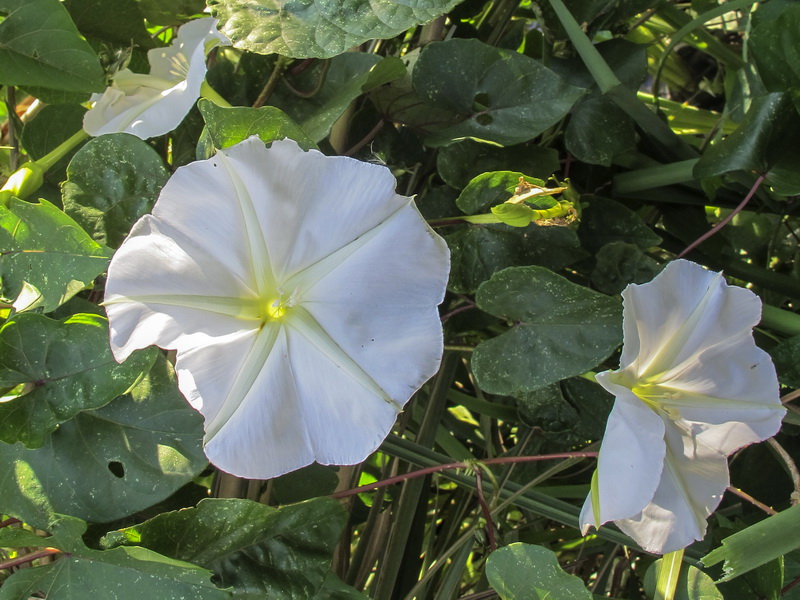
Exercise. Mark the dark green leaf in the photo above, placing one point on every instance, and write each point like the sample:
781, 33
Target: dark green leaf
502, 96
758, 544
763, 144
479, 251
559, 330
335, 589
39, 45
619, 264
309, 482
526, 572
228, 126
117, 21
605, 221
775, 45
52, 126
260, 551
317, 28
599, 131
168, 13
785, 357
43, 247
111, 182
108, 463
459, 163
119, 574
67, 366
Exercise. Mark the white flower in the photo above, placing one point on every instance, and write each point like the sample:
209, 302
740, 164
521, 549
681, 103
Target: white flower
300, 292
692, 388
152, 105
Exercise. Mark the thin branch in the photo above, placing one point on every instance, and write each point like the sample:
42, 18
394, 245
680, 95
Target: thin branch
751, 500
272, 82
790, 465
21, 560
726, 220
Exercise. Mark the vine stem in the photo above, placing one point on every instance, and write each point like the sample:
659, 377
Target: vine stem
790, 466
458, 465
272, 82
751, 500
726, 220
29, 558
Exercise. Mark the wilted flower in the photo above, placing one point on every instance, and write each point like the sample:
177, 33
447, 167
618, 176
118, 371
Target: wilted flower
300, 292
692, 388
151, 105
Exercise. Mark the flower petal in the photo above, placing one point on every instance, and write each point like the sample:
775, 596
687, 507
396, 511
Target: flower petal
731, 395
151, 105
630, 460
398, 278
311, 205
683, 311
164, 288
693, 481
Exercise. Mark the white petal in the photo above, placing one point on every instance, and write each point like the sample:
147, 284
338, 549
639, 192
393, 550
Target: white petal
730, 393
311, 205
164, 288
630, 460
683, 311
151, 105
691, 487
379, 303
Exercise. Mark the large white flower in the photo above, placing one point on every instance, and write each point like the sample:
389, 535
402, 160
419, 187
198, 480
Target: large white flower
300, 292
151, 105
692, 388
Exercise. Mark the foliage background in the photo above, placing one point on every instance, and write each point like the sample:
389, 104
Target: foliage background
662, 119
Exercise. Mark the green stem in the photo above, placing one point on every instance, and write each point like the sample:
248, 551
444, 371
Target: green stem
206, 91
599, 69
653, 177
55, 155
783, 321
668, 575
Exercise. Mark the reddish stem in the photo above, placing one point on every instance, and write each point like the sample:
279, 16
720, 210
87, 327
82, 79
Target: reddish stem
28, 558
458, 465
724, 221
487, 514
10, 521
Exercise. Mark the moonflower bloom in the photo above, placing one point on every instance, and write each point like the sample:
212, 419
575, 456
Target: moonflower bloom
152, 105
300, 292
692, 388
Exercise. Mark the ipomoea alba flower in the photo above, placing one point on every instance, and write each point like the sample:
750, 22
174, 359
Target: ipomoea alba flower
300, 292
151, 105
692, 388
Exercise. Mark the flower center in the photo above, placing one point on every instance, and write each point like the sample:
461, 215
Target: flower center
275, 308
653, 396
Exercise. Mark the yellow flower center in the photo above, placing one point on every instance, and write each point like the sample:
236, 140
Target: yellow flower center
653, 396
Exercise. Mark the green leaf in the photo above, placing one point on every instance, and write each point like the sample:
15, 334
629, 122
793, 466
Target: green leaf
559, 330
111, 182
39, 45
527, 572
599, 131
516, 215
785, 357
168, 13
260, 551
67, 366
775, 45
479, 251
120, 574
463, 161
335, 589
502, 96
315, 28
490, 189
309, 482
42, 246
620, 264
52, 126
108, 463
117, 21
228, 126
693, 584
605, 221
348, 76
758, 544
762, 144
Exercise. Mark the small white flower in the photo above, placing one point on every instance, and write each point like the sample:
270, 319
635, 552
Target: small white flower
692, 388
300, 292
152, 105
